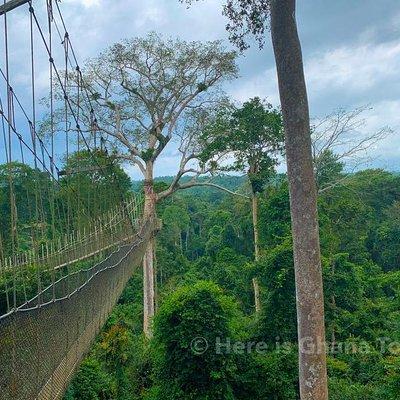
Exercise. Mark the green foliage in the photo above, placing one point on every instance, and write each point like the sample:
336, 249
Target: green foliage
91, 382
91, 184
253, 134
267, 376
200, 311
147, 154
383, 240
28, 185
278, 317
94, 183
343, 282
274, 219
328, 169
176, 222
342, 389
207, 236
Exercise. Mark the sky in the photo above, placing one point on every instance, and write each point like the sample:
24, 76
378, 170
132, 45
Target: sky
351, 54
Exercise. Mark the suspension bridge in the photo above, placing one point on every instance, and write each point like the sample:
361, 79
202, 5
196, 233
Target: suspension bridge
71, 231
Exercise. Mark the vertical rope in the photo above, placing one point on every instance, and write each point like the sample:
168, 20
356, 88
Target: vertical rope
5, 276
50, 19
78, 103
66, 56
11, 186
3, 124
78, 132
32, 125
10, 114
66, 105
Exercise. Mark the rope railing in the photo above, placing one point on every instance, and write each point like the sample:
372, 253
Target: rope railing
77, 241
68, 285
61, 257
43, 342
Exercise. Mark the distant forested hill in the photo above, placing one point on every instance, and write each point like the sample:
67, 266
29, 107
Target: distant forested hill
231, 182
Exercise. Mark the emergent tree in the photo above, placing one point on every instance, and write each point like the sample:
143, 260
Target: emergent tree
252, 135
145, 92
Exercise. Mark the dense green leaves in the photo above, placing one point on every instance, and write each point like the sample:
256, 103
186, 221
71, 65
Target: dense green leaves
189, 320
90, 185
252, 134
207, 236
91, 383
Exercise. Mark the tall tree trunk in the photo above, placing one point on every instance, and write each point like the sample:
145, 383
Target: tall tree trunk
256, 286
148, 259
334, 311
148, 288
155, 275
254, 204
303, 201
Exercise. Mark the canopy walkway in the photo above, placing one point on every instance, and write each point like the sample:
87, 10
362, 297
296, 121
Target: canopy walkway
71, 233
43, 341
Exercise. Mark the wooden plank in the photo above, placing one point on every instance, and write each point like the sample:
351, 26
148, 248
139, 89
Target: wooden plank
11, 5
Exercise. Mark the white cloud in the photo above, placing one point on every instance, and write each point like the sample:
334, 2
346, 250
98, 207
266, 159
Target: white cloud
264, 85
353, 68
382, 113
386, 152
152, 14
348, 68
359, 70
86, 3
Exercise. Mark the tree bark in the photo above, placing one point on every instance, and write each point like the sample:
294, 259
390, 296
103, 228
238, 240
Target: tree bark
303, 201
333, 300
148, 289
256, 286
148, 259
257, 300
254, 204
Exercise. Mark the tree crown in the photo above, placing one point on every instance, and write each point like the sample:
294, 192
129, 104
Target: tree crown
246, 18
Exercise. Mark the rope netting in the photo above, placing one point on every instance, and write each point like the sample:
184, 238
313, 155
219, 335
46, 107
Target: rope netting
41, 346
65, 257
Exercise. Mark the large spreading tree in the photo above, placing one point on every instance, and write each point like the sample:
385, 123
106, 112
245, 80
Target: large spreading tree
146, 94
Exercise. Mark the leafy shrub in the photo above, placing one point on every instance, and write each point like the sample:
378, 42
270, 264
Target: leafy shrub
199, 311
91, 382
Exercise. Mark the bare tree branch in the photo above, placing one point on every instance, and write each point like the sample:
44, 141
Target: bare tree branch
340, 139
